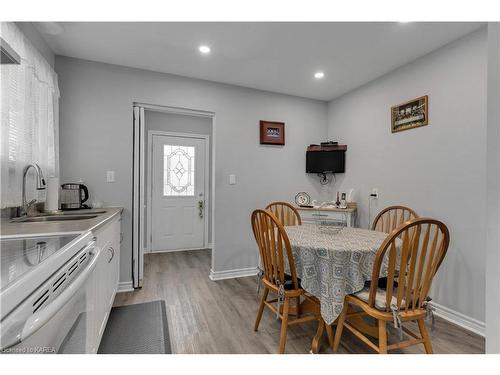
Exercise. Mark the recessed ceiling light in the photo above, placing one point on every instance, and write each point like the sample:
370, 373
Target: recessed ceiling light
319, 75
204, 49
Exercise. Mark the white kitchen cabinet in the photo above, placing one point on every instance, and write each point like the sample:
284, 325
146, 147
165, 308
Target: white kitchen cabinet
106, 274
116, 243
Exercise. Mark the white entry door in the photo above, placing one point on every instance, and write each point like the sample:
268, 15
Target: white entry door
178, 177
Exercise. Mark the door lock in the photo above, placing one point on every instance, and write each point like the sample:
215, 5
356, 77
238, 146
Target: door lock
200, 209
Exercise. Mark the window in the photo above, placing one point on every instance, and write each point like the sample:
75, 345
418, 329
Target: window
29, 108
178, 171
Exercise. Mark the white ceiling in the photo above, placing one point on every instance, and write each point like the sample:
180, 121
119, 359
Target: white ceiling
278, 57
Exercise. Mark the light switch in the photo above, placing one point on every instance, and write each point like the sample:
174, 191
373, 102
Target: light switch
110, 176
232, 179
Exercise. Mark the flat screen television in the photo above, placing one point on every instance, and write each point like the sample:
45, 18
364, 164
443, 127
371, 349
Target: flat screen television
325, 161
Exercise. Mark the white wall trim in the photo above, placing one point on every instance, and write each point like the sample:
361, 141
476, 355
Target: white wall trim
460, 319
199, 113
176, 110
232, 274
125, 286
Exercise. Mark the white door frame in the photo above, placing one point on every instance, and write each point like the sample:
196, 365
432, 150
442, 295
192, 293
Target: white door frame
149, 185
138, 177
138, 196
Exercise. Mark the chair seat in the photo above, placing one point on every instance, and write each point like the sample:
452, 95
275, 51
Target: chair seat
380, 298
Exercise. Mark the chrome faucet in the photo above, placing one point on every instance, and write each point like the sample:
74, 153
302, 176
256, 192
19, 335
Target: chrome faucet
40, 185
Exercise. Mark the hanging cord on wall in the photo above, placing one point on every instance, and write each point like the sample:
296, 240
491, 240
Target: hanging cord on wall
370, 198
369, 210
324, 180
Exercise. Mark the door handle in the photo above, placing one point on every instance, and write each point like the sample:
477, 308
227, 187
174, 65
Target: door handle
200, 209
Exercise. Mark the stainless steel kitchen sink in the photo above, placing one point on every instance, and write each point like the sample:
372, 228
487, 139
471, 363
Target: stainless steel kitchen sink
69, 213
36, 219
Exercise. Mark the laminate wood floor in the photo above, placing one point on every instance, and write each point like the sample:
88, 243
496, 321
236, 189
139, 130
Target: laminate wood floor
207, 316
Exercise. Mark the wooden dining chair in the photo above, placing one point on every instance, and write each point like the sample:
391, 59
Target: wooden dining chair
411, 254
285, 213
276, 253
391, 217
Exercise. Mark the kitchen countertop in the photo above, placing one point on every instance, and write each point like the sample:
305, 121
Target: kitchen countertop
13, 229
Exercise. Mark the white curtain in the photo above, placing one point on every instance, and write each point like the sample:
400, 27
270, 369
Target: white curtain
29, 110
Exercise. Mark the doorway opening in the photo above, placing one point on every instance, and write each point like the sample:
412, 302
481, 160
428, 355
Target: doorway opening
173, 182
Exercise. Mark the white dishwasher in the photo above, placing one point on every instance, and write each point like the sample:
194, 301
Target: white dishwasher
48, 294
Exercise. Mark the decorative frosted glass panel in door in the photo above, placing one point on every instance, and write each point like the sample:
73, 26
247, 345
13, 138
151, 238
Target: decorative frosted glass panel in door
178, 176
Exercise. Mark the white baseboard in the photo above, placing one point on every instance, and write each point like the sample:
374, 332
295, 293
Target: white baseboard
125, 286
232, 274
460, 319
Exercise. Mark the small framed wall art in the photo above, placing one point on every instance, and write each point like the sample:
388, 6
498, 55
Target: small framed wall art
272, 133
409, 115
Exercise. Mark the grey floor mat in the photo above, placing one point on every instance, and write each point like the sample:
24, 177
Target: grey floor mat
137, 329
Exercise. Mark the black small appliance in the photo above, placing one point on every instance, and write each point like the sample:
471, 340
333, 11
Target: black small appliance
73, 196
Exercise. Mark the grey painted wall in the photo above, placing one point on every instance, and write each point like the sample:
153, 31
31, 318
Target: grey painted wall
184, 124
439, 170
96, 135
492, 193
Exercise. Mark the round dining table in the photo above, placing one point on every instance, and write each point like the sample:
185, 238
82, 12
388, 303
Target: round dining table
333, 263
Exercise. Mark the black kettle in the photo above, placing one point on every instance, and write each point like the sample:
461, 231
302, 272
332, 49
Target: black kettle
73, 196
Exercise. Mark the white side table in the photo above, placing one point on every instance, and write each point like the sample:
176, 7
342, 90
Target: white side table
310, 215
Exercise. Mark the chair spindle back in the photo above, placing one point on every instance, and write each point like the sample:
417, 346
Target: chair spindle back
391, 217
423, 243
285, 213
274, 247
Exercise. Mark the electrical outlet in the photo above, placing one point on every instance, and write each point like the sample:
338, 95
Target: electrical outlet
375, 193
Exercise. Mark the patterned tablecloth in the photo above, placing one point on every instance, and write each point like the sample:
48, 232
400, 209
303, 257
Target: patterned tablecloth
332, 266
